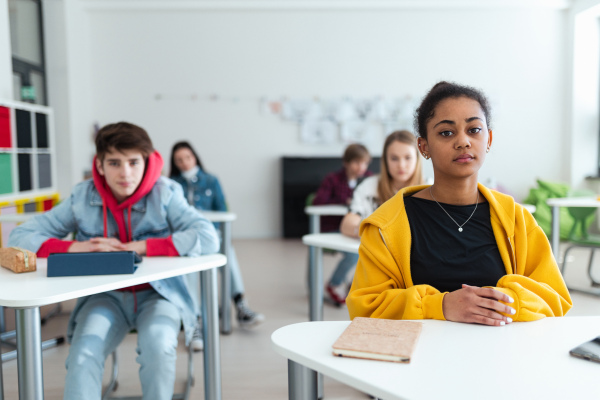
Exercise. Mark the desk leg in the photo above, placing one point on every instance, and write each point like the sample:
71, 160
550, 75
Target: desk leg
29, 353
226, 280
314, 224
210, 330
2, 320
1, 384
315, 278
302, 382
555, 235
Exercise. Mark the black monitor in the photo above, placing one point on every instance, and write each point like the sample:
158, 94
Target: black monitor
302, 176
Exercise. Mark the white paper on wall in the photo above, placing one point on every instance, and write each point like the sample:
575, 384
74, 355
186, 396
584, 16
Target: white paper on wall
359, 131
345, 110
318, 131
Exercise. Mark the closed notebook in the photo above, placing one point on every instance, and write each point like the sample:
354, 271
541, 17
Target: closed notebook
93, 263
378, 339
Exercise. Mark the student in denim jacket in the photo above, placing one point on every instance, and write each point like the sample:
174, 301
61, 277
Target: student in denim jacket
126, 206
204, 192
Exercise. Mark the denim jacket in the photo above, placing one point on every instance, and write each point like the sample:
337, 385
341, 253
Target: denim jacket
203, 191
162, 212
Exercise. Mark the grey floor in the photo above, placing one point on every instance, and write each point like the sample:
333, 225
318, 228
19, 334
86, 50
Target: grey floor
275, 277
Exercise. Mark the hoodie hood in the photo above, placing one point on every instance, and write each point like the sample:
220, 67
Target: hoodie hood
152, 172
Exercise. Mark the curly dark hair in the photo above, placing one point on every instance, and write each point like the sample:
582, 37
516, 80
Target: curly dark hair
442, 91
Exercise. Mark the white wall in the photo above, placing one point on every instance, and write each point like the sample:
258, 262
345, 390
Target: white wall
6, 84
516, 55
584, 69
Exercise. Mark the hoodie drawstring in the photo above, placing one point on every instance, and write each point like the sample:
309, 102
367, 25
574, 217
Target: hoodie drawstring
129, 235
104, 215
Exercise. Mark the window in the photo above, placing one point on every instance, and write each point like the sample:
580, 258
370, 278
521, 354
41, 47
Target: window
26, 39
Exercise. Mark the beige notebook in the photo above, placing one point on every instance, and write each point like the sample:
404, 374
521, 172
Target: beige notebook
378, 339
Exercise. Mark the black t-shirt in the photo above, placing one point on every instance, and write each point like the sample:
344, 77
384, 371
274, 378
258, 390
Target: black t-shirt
445, 258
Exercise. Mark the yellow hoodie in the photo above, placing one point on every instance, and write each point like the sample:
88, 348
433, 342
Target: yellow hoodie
383, 287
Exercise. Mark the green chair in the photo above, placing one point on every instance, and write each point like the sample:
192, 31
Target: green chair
579, 235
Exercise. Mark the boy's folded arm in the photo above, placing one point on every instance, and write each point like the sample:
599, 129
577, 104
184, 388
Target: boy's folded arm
161, 247
54, 245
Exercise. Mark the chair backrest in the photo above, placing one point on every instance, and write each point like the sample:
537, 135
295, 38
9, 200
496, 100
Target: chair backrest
310, 198
583, 216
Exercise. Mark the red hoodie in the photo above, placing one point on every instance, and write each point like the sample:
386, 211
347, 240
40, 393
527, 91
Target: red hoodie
154, 246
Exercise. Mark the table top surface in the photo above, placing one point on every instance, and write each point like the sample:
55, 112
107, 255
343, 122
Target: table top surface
327, 209
333, 241
219, 216
574, 202
454, 360
34, 289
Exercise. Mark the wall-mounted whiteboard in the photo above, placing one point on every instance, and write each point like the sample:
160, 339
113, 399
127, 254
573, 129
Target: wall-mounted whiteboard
27, 150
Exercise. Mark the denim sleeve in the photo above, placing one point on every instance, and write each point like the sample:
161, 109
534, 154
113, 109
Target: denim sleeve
55, 223
193, 234
219, 203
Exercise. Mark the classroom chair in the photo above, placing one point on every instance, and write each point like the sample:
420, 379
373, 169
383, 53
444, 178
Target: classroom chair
114, 383
579, 236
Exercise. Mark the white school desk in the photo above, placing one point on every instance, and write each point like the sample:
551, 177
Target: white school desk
565, 202
224, 218
522, 360
316, 212
318, 242
27, 292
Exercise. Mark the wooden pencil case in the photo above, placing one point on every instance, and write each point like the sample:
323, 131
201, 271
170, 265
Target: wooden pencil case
18, 260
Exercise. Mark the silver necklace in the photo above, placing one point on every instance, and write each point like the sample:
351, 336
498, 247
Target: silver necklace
460, 229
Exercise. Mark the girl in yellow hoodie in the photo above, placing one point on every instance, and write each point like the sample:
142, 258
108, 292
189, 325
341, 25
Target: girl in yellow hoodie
455, 250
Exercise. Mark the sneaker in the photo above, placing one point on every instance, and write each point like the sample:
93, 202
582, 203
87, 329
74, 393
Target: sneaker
337, 294
246, 317
197, 341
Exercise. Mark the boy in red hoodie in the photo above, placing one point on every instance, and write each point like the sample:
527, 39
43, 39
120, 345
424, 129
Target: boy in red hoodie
127, 206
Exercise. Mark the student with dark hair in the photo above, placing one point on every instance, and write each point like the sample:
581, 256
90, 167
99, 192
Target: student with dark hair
455, 250
126, 206
204, 192
337, 188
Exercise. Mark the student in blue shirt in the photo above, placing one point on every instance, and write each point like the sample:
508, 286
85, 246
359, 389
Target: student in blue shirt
204, 192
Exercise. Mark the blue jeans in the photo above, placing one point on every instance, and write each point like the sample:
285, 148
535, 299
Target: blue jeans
347, 262
101, 325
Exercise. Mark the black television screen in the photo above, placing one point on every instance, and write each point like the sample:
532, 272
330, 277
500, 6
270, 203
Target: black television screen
302, 176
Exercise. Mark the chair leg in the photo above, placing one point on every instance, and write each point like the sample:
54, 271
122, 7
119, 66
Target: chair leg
190, 377
595, 283
113, 384
564, 263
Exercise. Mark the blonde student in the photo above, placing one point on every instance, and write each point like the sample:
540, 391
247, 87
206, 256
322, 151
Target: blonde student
400, 167
455, 250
